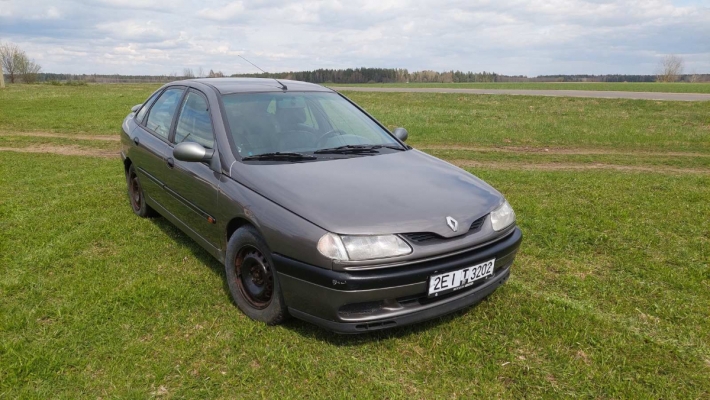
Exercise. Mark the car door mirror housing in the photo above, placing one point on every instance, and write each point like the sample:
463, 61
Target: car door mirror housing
136, 107
401, 134
192, 152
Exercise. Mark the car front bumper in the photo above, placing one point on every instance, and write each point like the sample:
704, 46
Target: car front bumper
361, 301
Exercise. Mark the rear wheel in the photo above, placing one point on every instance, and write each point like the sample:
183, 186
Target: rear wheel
252, 279
136, 195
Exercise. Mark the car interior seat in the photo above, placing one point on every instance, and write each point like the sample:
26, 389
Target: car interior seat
295, 134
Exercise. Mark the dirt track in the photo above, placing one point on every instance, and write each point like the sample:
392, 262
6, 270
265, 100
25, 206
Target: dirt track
108, 138
89, 152
552, 150
63, 150
575, 167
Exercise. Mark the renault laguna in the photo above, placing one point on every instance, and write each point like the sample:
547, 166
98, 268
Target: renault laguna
315, 208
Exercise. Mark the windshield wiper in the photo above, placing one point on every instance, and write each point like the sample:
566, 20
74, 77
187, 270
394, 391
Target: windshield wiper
355, 149
278, 156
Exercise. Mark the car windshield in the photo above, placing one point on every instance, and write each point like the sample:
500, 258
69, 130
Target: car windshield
300, 122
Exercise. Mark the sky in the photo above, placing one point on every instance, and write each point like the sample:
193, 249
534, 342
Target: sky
512, 37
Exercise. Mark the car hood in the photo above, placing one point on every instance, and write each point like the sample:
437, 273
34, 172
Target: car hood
400, 192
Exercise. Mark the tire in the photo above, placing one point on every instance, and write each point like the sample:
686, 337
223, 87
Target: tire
252, 279
136, 195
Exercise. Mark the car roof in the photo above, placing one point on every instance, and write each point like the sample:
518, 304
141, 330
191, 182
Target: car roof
251, 85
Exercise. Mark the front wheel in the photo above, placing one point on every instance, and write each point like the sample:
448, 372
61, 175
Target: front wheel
252, 279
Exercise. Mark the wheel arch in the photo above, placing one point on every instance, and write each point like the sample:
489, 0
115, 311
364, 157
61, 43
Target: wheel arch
127, 164
236, 223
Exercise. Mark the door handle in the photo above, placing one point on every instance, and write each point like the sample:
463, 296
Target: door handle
136, 140
170, 161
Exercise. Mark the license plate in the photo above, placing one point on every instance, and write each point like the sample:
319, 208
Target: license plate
459, 279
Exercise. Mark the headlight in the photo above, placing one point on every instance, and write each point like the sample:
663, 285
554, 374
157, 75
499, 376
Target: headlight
503, 217
359, 248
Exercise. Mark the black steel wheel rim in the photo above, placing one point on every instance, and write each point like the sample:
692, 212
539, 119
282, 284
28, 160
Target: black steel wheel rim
255, 277
135, 193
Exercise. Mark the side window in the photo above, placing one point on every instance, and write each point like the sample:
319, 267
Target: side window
144, 110
161, 114
194, 123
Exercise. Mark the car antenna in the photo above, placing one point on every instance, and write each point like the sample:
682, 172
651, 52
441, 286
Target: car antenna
284, 87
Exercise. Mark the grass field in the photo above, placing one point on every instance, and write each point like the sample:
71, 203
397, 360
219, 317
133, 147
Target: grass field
677, 87
609, 297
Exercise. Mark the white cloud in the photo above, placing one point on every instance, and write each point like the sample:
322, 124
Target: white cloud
224, 13
145, 31
156, 5
506, 36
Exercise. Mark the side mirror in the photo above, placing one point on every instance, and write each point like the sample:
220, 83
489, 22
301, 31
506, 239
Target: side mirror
401, 134
136, 107
192, 152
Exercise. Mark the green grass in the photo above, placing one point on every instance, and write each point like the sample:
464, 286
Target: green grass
430, 118
609, 297
476, 120
677, 87
93, 109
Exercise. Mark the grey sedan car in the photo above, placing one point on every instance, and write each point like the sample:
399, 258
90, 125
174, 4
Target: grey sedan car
316, 209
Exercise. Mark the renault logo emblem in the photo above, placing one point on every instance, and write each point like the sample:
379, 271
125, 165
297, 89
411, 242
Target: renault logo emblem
452, 223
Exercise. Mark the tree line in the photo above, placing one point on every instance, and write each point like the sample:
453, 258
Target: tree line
395, 75
377, 75
419, 76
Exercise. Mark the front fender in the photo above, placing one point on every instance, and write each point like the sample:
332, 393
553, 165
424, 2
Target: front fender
285, 232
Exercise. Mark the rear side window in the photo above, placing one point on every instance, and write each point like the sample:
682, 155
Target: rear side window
161, 114
144, 110
194, 123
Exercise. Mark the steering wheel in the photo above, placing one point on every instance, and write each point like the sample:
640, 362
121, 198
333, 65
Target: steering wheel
328, 135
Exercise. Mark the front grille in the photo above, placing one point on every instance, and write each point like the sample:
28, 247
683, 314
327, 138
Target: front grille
477, 224
422, 237
356, 309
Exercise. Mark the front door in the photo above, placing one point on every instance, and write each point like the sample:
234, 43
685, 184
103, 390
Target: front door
194, 186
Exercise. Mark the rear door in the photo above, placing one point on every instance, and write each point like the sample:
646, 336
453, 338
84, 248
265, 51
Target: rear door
194, 186
151, 139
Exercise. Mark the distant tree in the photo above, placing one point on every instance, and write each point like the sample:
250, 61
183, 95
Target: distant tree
187, 73
28, 69
11, 56
218, 74
670, 69
200, 73
447, 77
2, 74
16, 63
694, 77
